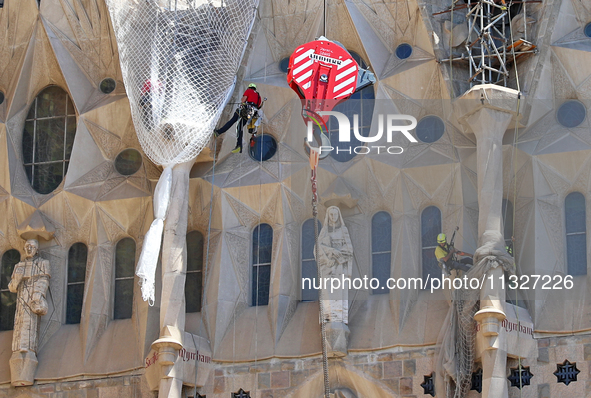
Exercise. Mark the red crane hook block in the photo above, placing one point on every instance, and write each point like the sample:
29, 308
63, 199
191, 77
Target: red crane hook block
323, 74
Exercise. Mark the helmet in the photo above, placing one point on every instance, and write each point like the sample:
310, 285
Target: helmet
252, 85
441, 238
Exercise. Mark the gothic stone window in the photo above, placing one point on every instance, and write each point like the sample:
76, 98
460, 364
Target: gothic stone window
193, 283
381, 249
124, 270
576, 234
77, 256
48, 138
430, 228
7, 300
262, 251
309, 269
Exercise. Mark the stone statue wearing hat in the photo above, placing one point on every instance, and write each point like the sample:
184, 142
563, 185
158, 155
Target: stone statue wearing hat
30, 280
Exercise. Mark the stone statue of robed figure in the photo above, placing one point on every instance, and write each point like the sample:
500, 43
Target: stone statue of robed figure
30, 280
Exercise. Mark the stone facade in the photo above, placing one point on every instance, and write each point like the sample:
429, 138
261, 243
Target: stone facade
108, 387
274, 350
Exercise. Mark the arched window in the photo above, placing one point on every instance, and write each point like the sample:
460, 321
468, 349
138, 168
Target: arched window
309, 269
77, 256
48, 138
430, 228
507, 211
194, 281
262, 251
381, 249
360, 103
576, 234
7, 300
124, 270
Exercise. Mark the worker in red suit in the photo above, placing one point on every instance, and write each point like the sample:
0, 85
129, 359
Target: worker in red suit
149, 89
250, 103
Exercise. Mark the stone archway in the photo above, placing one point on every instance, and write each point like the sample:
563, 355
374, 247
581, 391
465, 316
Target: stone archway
344, 393
346, 381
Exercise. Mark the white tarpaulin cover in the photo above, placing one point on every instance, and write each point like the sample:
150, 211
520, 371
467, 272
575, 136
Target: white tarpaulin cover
179, 60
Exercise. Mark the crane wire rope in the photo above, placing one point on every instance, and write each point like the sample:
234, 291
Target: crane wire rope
513, 155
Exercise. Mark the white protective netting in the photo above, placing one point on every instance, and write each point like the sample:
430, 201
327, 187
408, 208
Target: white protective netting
458, 337
179, 60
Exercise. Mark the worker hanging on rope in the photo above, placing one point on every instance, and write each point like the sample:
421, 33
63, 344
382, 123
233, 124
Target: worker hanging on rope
248, 113
509, 246
446, 256
151, 91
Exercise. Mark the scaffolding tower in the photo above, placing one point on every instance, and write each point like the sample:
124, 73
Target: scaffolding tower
491, 46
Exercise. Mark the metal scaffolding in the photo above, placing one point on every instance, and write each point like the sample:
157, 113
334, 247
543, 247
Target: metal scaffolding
491, 46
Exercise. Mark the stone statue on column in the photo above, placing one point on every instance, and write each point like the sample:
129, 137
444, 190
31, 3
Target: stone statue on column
30, 280
335, 259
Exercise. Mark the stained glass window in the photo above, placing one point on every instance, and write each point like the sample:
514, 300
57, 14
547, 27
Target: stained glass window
124, 270
77, 256
576, 234
430, 228
262, 251
381, 249
404, 51
262, 147
194, 281
48, 138
128, 162
107, 85
571, 113
7, 299
430, 129
309, 269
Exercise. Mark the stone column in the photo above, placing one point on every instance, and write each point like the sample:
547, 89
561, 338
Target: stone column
488, 111
174, 267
